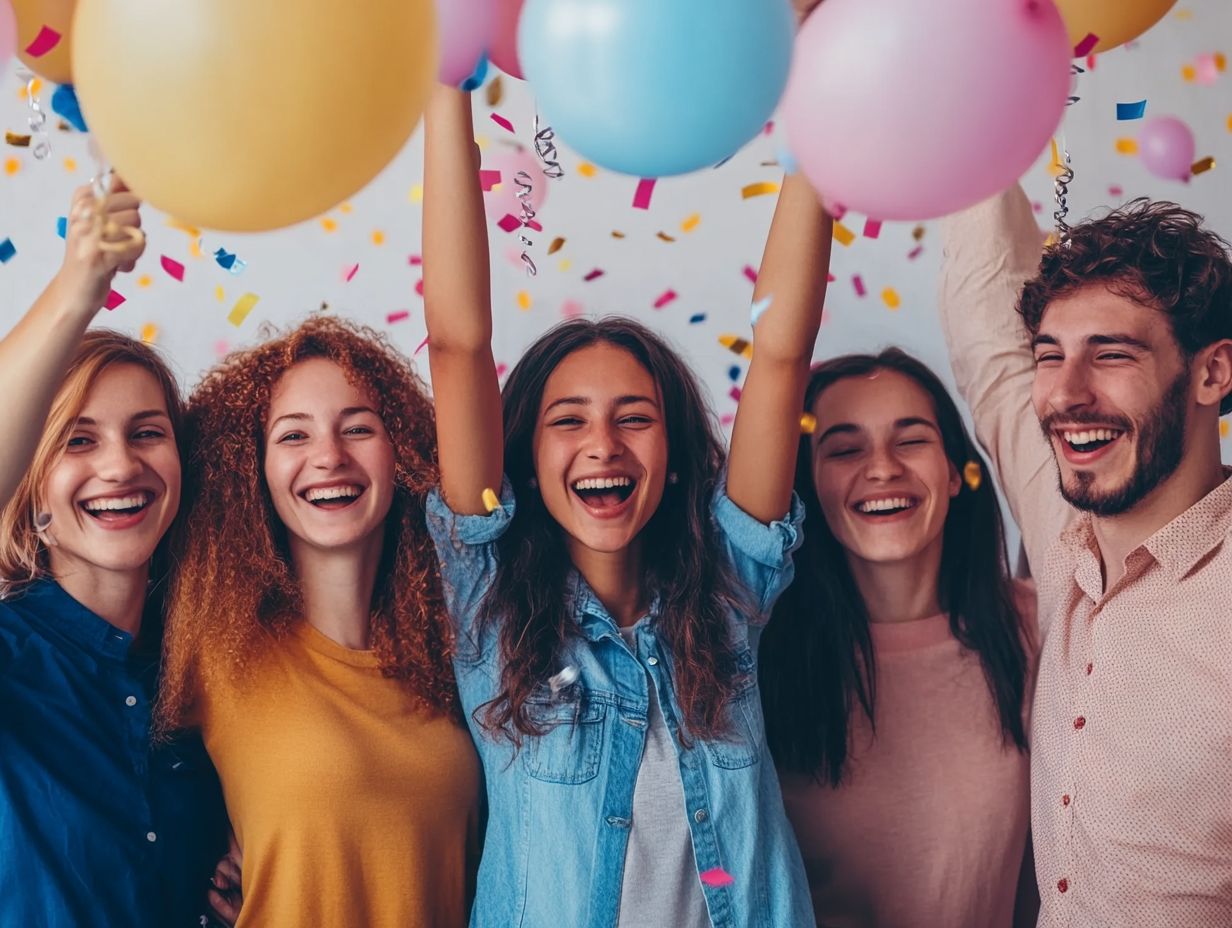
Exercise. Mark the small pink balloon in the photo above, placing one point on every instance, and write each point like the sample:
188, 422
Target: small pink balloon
8, 33
465, 28
508, 160
902, 109
504, 50
1166, 147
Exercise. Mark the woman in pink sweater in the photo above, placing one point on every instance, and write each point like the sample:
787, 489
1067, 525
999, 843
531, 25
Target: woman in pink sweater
896, 672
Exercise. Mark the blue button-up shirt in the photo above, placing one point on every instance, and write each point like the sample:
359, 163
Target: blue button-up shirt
96, 828
561, 807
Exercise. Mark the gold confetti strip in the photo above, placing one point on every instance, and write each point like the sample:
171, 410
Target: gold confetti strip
737, 345
890, 297
491, 501
1223, 428
194, 248
759, 190
36, 86
219, 293
495, 91
617, 234
808, 423
1221, 62
149, 332
586, 169
1127, 146
70, 164
416, 194
344, 208
564, 265
18, 141
1189, 74
692, 222
917, 233
243, 306
664, 237
1050, 240
557, 245
1202, 165
973, 476
12, 166
1055, 167
843, 235
378, 237
523, 300
328, 224
144, 281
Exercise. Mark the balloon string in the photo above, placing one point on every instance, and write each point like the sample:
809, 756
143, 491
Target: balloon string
107, 229
40, 147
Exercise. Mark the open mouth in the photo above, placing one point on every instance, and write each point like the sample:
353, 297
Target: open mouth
604, 492
116, 508
883, 508
331, 498
1090, 440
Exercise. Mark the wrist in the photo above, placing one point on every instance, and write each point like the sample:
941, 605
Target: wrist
77, 294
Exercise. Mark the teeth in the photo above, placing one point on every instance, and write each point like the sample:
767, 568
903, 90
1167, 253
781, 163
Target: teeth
332, 493
1090, 435
136, 501
882, 505
603, 483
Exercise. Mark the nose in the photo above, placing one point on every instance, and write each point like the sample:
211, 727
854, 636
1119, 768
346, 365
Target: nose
1070, 387
328, 453
603, 443
118, 463
883, 463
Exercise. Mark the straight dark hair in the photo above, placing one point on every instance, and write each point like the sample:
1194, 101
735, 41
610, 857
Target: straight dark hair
529, 601
817, 665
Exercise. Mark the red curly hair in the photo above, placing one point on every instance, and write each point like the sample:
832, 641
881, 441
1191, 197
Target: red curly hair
234, 589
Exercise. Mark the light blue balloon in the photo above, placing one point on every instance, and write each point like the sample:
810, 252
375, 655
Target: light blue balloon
656, 87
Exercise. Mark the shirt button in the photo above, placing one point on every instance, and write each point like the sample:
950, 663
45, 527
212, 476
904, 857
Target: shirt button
130, 701
700, 816
1062, 885
652, 661
1080, 722
151, 837
1065, 800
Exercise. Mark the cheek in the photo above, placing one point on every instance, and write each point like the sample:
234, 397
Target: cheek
828, 484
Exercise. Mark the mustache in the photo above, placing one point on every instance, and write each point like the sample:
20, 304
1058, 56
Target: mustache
1054, 419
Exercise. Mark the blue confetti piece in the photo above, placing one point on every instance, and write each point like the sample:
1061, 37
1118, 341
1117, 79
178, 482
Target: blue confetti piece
7, 251
478, 76
1131, 110
734, 372
62, 227
230, 262
696, 318
759, 310
64, 103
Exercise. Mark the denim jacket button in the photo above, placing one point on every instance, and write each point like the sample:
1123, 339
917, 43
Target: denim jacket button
652, 661
700, 816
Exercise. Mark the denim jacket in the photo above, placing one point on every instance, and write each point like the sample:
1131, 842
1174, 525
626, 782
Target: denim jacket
560, 807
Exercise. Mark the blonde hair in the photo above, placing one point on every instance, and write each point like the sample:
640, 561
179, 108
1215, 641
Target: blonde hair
23, 556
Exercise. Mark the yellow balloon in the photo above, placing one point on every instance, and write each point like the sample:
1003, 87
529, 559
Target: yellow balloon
56, 15
1115, 22
248, 115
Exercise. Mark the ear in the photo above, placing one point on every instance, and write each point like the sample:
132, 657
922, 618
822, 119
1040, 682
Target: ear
1212, 373
956, 481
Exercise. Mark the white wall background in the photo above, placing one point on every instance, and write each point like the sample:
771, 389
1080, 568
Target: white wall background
295, 270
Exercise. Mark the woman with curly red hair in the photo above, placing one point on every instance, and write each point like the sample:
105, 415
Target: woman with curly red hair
307, 635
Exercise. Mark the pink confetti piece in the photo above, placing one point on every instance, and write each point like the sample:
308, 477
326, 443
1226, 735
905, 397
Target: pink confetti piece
397, 316
836, 210
419, 287
489, 179
221, 348
571, 309
502, 122
750, 273
915, 252
349, 272
667, 297
421, 346
114, 299
858, 282
645, 189
734, 393
173, 267
1086, 46
593, 275
415, 261
768, 128
718, 877
502, 370
510, 222
45, 41
1116, 190
534, 224
727, 419
830, 278
872, 228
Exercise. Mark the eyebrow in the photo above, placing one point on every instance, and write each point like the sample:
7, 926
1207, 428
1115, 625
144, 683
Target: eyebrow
137, 417
627, 400
307, 417
1112, 338
850, 428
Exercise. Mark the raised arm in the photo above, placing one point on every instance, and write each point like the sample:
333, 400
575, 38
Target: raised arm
990, 251
458, 306
35, 354
767, 428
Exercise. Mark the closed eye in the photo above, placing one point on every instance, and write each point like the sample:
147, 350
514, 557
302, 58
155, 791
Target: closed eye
637, 421
565, 421
292, 436
1050, 358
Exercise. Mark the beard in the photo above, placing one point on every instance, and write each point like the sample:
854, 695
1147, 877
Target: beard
1160, 445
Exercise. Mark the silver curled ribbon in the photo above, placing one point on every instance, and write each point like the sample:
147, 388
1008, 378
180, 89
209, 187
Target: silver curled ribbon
525, 188
1065, 177
545, 148
40, 147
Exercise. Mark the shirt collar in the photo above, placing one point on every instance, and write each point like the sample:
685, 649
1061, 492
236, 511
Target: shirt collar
58, 611
592, 617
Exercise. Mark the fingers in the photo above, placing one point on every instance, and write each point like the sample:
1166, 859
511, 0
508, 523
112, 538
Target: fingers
118, 185
225, 909
227, 874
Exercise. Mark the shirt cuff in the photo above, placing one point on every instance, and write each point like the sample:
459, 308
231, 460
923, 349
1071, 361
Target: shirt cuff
771, 545
470, 529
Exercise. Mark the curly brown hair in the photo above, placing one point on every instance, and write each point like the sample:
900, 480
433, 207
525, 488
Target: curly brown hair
1154, 253
234, 587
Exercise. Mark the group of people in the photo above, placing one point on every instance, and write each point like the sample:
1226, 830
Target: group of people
342, 653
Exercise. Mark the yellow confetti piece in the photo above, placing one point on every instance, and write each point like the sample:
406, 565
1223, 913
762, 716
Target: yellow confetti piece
328, 224
144, 281
1127, 146
70, 164
808, 423
523, 300
1202, 165
586, 169
737, 345
1055, 167
759, 190
890, 297
220, 294
691, 223
416, 194
1223, 428
37, 87
564, 265
344, 208
491, 501
243, 306
1189, 74
149, 332
192, 231
495, 90
1230, 122
973, 475
12, 166
1050, 240
378, 237
483, 142
194, 248
1221, 62
843, 235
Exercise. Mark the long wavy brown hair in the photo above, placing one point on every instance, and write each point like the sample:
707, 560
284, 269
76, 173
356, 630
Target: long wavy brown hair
234, 588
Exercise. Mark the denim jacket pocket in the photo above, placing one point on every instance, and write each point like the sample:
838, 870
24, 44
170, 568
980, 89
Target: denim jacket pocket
571, 747
741, 745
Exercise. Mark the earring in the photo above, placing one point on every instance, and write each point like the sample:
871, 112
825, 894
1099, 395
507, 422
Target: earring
42, 522
673, 478
533, 483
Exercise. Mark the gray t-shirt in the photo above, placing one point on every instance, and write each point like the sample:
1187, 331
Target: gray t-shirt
661, 885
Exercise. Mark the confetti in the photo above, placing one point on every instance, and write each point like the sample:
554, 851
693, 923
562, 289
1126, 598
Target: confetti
1189, 73
735, 393
243, 306
12, 166
345, 208
1127, 146
144, 281
691, 223
230, 262
524, 301
717, 878
414, 260
489, 179
491, 501
349, 272
495, 91
149, 332
872, 228
502, 122
328, 224
617, 234
378, 237
836, 210
397, 316
750, 273
510, 222
45, 41
915, 252
593, 275
917, 233
641, 196
1223, 429
172, 267
1202, 166
696, 318
759, 309
17, 141
415, 194
664, 237
567, 677
667, 296
220, 294
843, 235
758, 190
419, 287
737, 345
1127, 111
571, 309
1086, 46
858, 283
973, 476
70, 164
890, 297
556, 245
114, 300
7, 251
62, 226
586, 169
422, 345
734, 372
808, 423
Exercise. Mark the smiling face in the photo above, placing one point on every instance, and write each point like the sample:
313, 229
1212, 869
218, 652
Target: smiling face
329, 463
113, 493
600, 448
1112, 392
880, 470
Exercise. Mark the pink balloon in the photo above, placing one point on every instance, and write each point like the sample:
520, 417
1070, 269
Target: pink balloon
903, 109
465, 28
503, 201
8, 33
504, 51
1166, 147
